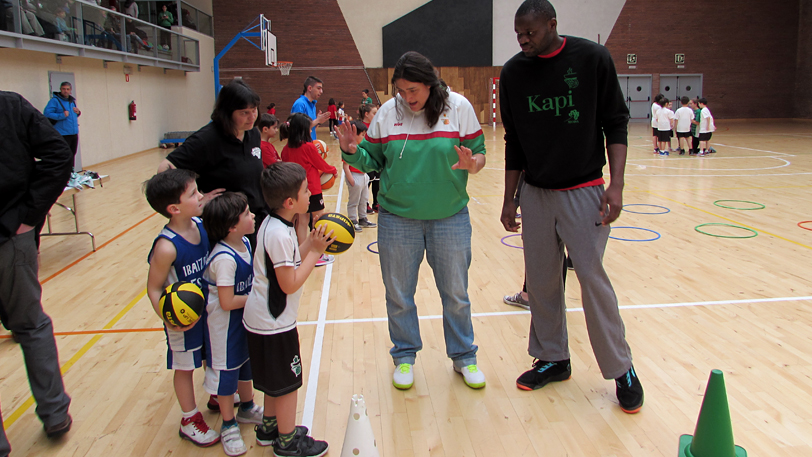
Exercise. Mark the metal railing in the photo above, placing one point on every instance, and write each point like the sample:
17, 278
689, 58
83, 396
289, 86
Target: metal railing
86, 25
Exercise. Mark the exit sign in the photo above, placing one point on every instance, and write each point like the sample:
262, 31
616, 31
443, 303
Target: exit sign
631, 59
679, 58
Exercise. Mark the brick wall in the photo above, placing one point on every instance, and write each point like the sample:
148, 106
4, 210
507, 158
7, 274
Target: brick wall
311, 33
746, 50
803, 78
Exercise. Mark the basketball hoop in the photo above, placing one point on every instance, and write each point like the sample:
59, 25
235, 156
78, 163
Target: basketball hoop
284, 67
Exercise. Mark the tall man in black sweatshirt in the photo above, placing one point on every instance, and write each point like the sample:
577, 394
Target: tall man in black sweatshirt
560, 98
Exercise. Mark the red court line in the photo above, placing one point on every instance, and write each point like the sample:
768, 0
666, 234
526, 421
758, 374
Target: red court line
96, 332
97, 250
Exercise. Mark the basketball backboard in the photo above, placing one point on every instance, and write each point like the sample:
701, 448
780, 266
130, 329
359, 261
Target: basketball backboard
268, 41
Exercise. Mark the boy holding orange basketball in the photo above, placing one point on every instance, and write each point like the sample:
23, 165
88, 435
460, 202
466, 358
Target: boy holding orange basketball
282, 263
179, 254
228, 277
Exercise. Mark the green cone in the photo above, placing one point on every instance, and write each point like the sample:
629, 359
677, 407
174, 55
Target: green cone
713, 436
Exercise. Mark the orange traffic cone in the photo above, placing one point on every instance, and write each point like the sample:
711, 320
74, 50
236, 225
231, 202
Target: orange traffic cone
359, 440
713, 436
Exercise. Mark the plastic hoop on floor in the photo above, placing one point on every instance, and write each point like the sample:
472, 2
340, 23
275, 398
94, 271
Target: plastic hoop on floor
805, 222
760, 206
369, 247
511, 245
754, 233
635, 228
646, 204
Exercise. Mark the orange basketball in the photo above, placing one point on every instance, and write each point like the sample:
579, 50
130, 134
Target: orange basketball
327, 180
322, 147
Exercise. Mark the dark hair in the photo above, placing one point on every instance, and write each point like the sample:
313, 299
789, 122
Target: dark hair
664, 101
310, 81
364, 109
360, 127
366, 91
415, 67
166, 188
266, 120
280, 181
340, 104
222, 213
703, 100
65, 83
684, 100
234, 96
271, 105
658, 98
296, 130
541, 8
331, 102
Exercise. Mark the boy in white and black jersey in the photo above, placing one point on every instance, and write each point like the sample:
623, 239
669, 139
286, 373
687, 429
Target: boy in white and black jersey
665, 124
282, 264
655, 108
706, 127
684, 116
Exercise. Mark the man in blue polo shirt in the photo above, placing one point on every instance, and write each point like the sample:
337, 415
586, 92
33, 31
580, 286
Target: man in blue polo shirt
306, 103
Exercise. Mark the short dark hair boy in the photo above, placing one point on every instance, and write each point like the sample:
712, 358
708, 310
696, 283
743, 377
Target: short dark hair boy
223, 213
281, 181
165, 188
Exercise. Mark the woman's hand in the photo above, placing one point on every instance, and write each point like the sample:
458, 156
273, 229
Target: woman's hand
468, 161
346, 134
209, 196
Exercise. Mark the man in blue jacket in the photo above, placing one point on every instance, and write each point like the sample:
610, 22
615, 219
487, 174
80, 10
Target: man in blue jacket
64, 114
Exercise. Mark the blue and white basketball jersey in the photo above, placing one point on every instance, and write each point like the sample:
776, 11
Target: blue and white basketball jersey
188, 266
228, 344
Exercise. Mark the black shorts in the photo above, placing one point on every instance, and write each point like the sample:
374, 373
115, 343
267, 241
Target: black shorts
316, 203
683, 134
664, 135
654, 131
275, 362
705, 136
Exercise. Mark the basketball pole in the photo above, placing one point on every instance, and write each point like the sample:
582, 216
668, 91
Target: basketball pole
245, 34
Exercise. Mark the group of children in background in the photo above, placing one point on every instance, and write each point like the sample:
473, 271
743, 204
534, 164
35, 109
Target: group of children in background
247, 335
692, 120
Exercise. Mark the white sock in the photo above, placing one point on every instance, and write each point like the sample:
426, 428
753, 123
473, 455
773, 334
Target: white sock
190, 413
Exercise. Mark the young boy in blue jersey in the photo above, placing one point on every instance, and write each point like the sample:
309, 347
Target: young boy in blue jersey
228, 277
179, 254
282, 264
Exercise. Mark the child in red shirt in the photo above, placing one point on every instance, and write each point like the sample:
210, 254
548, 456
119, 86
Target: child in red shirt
268, 125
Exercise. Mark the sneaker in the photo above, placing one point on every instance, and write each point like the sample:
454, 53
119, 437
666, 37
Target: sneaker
403, 377
663, 153
212, 405
473, 378
55, 431
267, 439
232, 441
357, 227
369, 209
326, 259
195, 430
702, 154
376, 207
250, 416
629, 392
544, 373
367, 224
682, 152
712, 151
516, 300
301, 445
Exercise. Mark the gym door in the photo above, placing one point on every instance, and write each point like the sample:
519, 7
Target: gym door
676, 86
637, 93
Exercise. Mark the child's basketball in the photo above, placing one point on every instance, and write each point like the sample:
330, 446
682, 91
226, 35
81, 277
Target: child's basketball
322, 147
182, 304
342, 229
327, 180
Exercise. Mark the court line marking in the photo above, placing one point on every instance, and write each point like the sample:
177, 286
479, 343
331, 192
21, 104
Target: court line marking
78, 355
759, 150
732, 220
309, 410
704, 160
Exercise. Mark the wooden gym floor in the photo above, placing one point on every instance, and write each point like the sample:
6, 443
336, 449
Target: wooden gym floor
691, 303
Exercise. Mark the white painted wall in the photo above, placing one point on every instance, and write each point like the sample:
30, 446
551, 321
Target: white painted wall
581, 18
366, 19
166, 102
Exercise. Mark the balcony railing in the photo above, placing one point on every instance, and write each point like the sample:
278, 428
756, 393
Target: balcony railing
87, 30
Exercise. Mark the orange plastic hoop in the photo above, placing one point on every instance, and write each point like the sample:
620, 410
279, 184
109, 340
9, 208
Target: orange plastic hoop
284, 67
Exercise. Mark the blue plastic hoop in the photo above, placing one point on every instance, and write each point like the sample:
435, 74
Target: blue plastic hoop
510, 245
369, 247
635, 228
645, 204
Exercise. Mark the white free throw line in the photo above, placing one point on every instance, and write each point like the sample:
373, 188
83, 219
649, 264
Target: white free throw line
318, 341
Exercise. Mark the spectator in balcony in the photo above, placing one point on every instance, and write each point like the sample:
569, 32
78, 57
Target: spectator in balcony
28, 19
165, 20
112, 29
64, 32
187, 20
130, 8
137, 36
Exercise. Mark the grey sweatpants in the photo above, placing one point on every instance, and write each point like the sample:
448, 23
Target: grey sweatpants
553, 219
21, 312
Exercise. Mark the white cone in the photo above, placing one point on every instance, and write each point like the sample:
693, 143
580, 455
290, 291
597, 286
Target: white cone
359, 440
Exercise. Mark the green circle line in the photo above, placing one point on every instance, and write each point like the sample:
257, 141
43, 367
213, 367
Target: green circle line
754, 233
760, 205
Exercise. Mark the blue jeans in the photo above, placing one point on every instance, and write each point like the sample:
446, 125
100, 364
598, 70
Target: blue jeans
447, 244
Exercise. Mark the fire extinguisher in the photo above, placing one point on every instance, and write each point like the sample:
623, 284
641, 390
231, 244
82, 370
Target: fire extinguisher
132, 110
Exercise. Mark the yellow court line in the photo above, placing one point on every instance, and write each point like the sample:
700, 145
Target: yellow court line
30, 401
733, 221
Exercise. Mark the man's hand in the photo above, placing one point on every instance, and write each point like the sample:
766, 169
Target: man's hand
508, 217
24, 228
322, 117
66, 113
611, 204
75, 110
